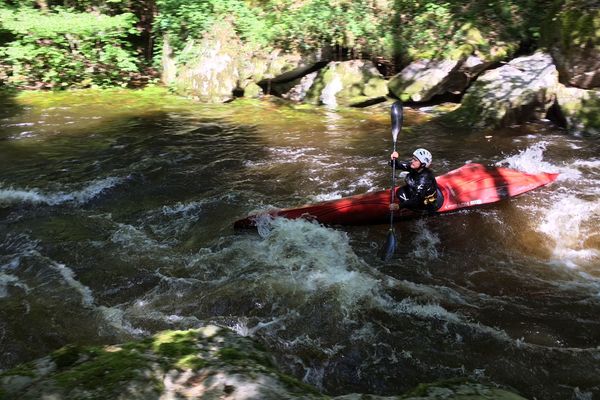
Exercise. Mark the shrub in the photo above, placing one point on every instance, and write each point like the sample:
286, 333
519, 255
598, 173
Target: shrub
67, 49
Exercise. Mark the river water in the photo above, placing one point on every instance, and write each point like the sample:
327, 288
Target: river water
116, 213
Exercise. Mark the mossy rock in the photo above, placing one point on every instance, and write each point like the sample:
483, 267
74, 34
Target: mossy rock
571, 32
579, 107
458, 389
341, 83
209, 362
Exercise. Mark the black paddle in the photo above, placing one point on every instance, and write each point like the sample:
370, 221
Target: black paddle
391, 242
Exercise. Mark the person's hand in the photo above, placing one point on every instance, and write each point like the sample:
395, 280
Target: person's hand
394, 206
394, 155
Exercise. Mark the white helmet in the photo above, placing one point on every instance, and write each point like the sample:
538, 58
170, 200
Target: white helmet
424, 156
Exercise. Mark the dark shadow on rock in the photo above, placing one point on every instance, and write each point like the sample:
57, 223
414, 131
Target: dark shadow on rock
556, 115
267, 84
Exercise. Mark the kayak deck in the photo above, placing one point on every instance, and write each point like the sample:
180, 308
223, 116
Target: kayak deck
468, 186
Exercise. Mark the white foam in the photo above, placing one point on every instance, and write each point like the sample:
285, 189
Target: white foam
329, 196
570, 222
529, 160
241, 327
7, 280
87, 299
9, 196
182, 208
115, 318
131, 237
425, 243
304, 258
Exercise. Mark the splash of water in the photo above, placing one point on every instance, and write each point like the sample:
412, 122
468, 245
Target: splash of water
425, 243
10, 196
529, 160
570, 223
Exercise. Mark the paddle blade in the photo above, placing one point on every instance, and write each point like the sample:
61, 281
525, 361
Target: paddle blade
397, 116
389, 248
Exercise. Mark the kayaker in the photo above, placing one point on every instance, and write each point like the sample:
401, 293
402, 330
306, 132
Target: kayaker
421, 192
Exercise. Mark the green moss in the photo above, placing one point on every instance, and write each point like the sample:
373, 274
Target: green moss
140, 346
68, 355
104, 371
230, 354
176, 344
27, 369
193, 362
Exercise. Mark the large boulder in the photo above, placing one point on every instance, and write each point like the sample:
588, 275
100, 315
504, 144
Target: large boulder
520, 91
209, 71
423, 79
580, 109
348, 83
469, 70
221, 66
204, 363
572, 37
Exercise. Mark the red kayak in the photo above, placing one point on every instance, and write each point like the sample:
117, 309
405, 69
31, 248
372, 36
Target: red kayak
468, 186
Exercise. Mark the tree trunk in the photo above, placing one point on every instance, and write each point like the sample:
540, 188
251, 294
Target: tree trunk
43, 5
145, 10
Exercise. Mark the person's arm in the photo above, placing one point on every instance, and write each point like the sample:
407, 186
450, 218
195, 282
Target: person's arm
402, 165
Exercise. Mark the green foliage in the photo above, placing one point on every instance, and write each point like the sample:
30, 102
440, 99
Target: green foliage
67, 49
362, 25
492, 29
89, 42
185, 20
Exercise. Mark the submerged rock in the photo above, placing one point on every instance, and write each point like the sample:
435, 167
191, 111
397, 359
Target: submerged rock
205, 363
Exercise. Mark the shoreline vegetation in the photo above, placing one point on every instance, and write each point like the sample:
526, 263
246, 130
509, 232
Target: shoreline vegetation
323, 52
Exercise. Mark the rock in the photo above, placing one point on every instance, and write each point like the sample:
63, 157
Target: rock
204, 363
580, 109
520, 91
423, 79
347, 83
460, 391
209, 362
468, 71
265, 70
212, 71
298, 88
252, 90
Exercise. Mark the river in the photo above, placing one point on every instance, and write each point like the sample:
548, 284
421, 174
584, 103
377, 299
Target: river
116, 213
